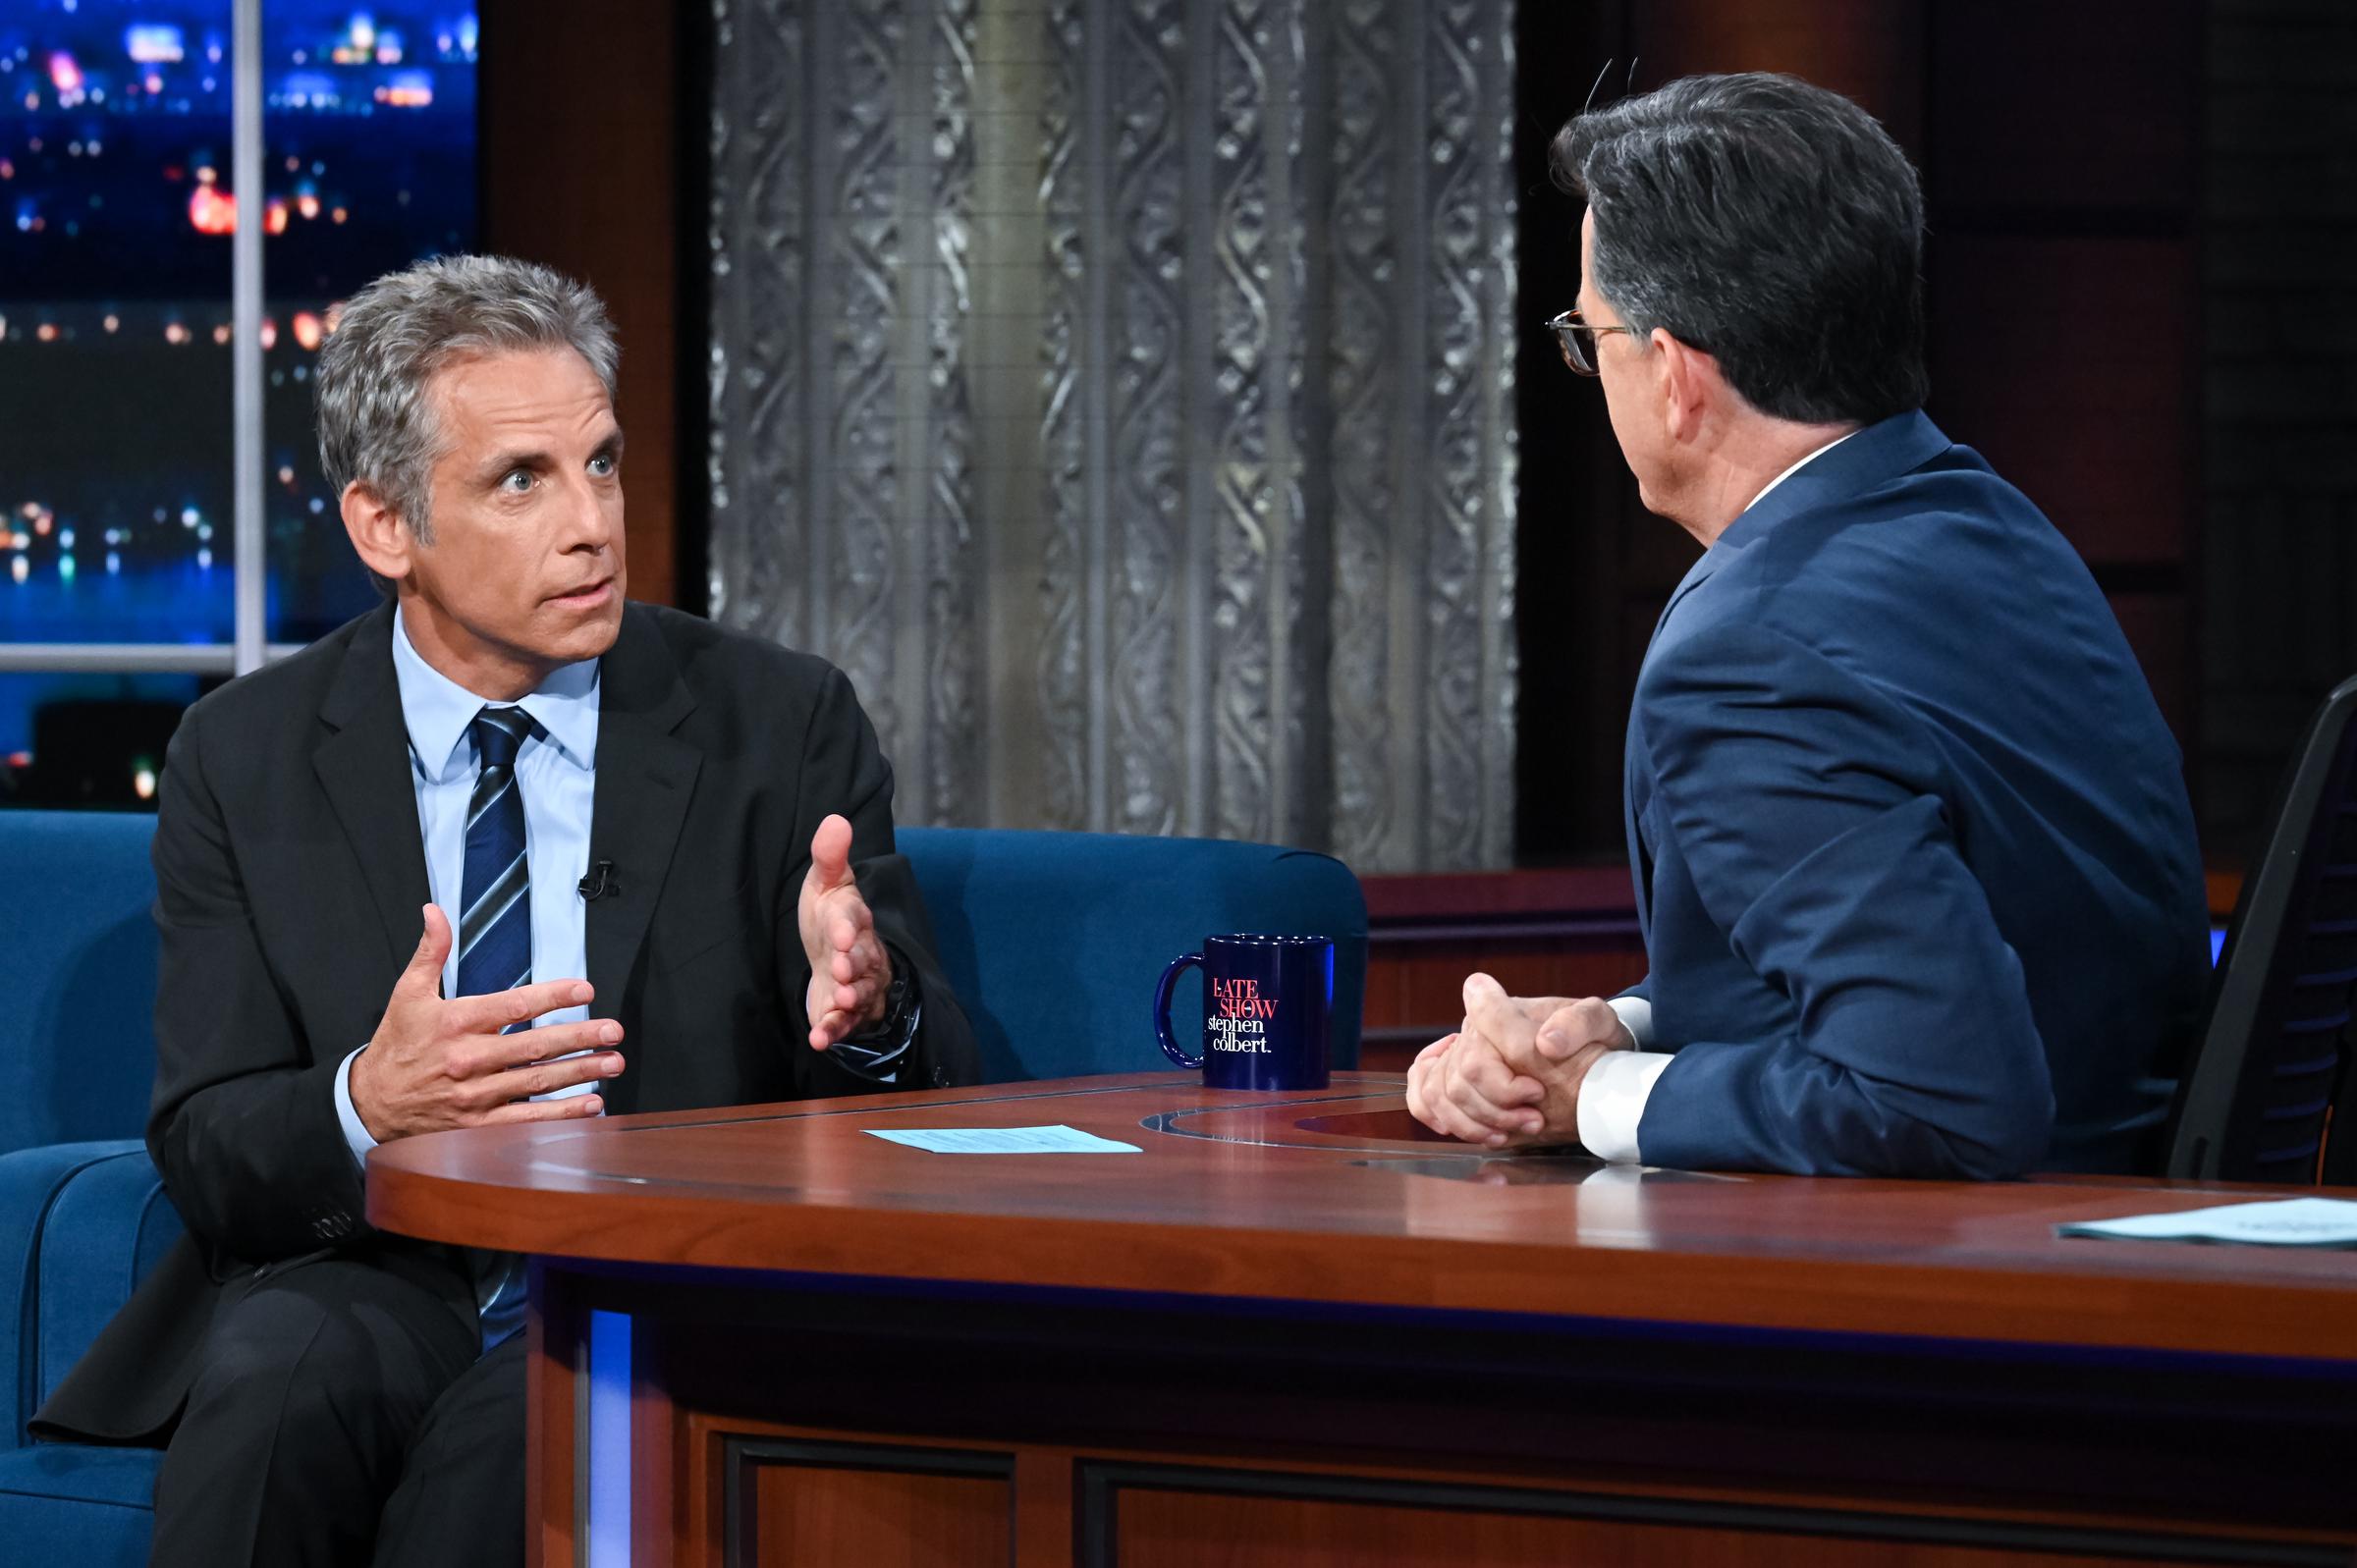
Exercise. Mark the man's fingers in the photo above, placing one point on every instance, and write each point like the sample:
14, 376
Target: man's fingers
1488, 1078
1443, 1116
1499, 1019
488, 1015
1423, 1076
568, 1109
1484, 1090
1588, 1021
1540, 1009
1418, 1071
1497, 1101
860, 960
849, 965
830, 1003
547, 1077
829, 1020
422, 977
1422, 1094
505, 1053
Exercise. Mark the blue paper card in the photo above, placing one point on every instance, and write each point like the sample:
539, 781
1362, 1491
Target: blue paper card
2281, 1222
1057, 1140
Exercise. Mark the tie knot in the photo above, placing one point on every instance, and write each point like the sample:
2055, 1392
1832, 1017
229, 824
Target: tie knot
499, 734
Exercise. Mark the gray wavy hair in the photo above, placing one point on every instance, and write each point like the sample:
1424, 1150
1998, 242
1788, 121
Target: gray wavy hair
376, 424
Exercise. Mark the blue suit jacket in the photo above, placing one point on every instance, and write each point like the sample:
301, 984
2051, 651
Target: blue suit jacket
1913, 854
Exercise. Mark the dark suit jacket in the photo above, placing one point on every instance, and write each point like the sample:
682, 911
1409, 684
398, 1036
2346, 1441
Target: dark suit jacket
1912, 848
290, 873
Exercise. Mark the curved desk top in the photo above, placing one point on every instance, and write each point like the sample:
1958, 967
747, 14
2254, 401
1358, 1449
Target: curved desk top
1335, 1196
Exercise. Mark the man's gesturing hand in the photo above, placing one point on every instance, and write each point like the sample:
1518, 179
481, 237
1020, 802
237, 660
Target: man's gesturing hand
1511, 1074
435, 1064
850, 970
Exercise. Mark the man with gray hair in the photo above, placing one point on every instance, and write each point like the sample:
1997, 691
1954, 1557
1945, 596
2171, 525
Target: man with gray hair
507, 848
1912, 849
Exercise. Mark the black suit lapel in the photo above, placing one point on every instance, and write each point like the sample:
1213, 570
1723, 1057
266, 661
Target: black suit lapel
645, 776
364, 769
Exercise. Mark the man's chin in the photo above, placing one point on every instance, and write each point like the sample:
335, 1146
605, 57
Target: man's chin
584, 634
605, 631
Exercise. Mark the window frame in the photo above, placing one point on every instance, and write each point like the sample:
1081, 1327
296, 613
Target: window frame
248, 648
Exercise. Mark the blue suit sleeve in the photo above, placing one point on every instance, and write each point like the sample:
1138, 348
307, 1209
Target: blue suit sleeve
1805, 805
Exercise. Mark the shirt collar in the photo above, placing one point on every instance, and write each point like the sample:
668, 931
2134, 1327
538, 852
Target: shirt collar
437, 710
1803, 463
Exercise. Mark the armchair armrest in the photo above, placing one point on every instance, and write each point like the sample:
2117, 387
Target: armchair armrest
81, 1224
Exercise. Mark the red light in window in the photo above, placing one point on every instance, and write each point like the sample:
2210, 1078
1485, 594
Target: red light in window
212, 211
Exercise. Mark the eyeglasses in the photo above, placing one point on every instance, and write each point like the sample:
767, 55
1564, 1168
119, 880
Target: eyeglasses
1577, 340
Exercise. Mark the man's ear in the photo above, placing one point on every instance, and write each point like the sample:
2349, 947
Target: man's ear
1690, 385
378, 536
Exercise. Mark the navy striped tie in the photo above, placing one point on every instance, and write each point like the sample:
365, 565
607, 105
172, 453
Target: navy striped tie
495, 946
495, 925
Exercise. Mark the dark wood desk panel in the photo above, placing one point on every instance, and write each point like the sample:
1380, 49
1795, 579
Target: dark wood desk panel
1299, 1309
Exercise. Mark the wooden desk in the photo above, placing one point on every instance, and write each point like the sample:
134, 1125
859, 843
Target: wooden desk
1292, 1330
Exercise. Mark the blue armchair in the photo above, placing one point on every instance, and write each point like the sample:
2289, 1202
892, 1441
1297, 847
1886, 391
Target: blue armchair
1053, 941
82, 1214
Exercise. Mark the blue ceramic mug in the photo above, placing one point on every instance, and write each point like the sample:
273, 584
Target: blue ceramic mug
1268, 1010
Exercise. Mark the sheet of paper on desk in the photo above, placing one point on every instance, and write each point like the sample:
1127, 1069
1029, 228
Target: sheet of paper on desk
1006, 1141
2281, 1222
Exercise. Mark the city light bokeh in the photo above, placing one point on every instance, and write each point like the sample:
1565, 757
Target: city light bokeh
117, 215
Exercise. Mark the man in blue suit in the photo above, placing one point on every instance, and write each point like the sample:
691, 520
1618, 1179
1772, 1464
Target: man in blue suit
1912, 851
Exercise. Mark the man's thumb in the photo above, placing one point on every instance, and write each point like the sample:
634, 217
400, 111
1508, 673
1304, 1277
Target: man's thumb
831, 852
424, 976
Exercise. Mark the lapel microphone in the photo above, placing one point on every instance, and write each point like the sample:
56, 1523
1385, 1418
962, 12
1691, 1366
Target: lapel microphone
601, 882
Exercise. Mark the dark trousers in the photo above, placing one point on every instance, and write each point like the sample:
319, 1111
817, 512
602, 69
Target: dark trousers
346, 1413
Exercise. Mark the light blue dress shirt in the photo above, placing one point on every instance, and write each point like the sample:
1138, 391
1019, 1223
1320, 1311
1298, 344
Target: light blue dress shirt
557, 771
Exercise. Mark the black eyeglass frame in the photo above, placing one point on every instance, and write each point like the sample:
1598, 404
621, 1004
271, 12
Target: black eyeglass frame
1580, 353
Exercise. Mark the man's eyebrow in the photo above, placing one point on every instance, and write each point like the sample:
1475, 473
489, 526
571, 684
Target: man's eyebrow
507, 462
612, 443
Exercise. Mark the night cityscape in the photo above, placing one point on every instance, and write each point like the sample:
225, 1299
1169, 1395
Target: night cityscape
116, 217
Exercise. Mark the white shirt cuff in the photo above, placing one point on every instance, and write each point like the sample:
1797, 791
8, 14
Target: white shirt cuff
356, 1131
1636, 1015
1613, 1096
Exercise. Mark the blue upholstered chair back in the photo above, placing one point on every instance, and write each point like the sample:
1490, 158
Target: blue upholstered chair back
77, 976
1071, 931
1054, 941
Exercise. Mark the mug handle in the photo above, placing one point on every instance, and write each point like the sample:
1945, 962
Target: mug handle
1162, 1012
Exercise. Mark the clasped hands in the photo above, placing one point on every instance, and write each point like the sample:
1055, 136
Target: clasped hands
436, 1063
1510, 1075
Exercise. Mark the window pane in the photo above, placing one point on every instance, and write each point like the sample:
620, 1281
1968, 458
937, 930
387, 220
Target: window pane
369, 158
87, 739
115, 463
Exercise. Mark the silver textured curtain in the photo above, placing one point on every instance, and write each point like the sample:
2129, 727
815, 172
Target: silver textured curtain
1122, 392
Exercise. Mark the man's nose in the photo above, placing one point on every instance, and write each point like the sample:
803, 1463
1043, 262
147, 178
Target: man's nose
589, 523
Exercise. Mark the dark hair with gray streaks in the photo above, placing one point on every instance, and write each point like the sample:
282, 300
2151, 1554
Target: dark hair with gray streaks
1773, 225
376, 423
